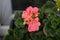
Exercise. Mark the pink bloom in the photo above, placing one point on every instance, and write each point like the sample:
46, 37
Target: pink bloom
31, 17
33, 25
29, 12
26, 16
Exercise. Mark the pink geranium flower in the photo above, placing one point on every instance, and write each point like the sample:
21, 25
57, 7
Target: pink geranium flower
33, 25
29, 12
26, 15
31, 18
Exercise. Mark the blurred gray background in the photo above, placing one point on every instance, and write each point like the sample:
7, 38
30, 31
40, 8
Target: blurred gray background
5, 16
5, 11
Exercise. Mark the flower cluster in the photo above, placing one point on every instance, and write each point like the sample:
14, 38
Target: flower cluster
30, 16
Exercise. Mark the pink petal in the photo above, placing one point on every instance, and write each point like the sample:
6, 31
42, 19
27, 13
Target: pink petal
35, 9
29, 9
37, 19
24, 14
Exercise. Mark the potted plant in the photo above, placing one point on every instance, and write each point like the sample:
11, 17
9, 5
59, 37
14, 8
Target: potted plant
36, 24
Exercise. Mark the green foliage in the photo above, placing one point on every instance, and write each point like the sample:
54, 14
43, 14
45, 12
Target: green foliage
49, 29
57, 4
